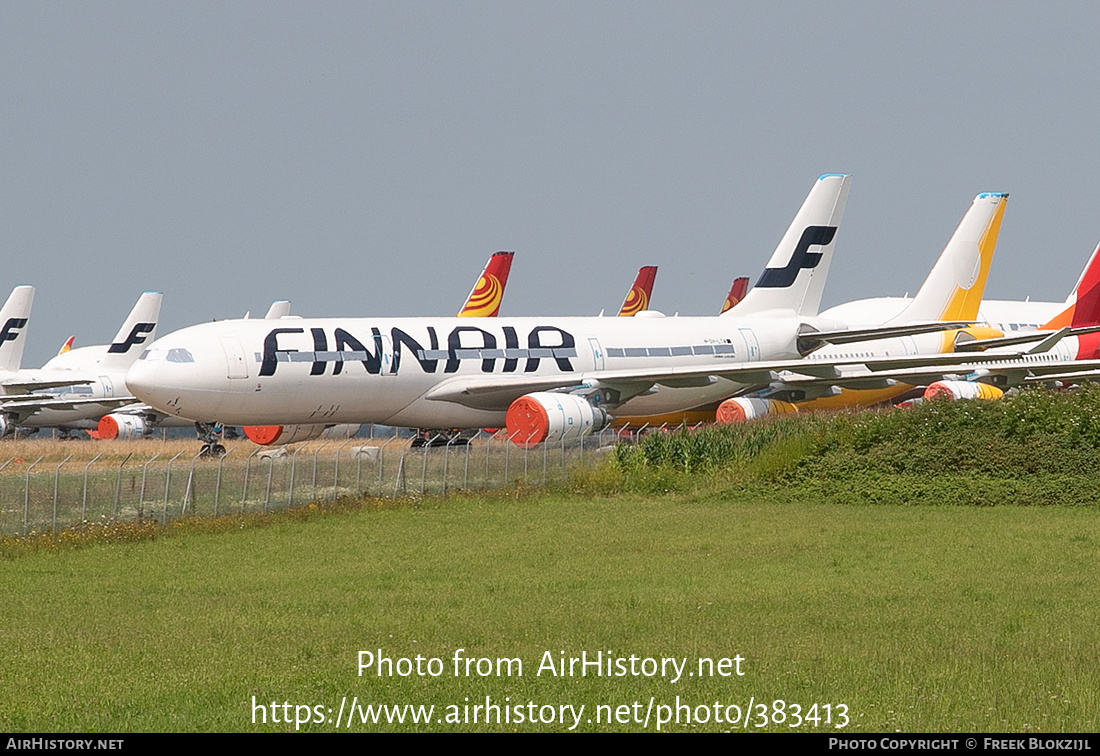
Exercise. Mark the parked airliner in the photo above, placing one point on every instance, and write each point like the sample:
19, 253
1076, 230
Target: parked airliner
543, 378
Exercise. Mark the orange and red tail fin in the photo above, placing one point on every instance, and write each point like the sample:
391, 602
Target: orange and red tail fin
637, 299
1083, 304
67, 345
737, 292
487, 294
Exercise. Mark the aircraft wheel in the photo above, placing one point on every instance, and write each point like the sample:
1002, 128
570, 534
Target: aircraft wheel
213, 451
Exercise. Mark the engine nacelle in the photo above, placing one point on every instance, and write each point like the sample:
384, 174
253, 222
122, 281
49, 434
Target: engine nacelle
543, 416
962, 390
119, 425
742, 408
277, 435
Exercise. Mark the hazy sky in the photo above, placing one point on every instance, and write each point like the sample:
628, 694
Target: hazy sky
366, 158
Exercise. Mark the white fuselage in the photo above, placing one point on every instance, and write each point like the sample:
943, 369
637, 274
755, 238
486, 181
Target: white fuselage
80, 364
1007, 316
367, 370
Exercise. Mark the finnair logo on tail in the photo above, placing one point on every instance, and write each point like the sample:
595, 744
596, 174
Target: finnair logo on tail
10, 332
137, 336
803, 258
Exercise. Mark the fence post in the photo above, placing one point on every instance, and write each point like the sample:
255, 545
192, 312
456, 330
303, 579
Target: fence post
1, 468
446, 460
84, 497
118, 485
27, 494
141, 500
382, 459
290, 492
424, 467
466, 469
167, 483
507, 449
244, 487
319, 448
399, 478
270, 472
187, 492
336, 471
488, 448
56, 474
218, 481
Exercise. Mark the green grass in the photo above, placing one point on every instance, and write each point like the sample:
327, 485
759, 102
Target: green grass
916, 618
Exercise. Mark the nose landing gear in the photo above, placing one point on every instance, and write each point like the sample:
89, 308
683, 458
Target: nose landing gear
211, 435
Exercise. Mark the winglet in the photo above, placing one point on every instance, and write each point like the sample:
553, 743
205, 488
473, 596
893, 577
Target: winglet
737, 292
637, 299
139, 329
487, 294
13, 320
794, 278
68, 345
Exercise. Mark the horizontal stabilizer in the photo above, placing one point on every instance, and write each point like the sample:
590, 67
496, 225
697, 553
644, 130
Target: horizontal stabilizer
16, 386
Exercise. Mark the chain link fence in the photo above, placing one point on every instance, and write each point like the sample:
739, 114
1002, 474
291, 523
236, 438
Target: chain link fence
48, 494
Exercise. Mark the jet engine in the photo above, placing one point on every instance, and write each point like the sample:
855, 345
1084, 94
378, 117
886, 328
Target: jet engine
962, 390
543, 416
123, 426
742, 409
277, 435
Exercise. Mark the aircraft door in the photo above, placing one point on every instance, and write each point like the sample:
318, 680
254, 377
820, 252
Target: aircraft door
385, 347
752, 346
235, 364
108, 385
597, 353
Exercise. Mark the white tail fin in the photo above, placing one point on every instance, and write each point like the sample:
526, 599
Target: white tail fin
279, 308
138, 330
954, 287
794, 278
13, 322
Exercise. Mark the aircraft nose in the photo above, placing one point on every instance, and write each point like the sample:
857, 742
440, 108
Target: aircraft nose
148, 383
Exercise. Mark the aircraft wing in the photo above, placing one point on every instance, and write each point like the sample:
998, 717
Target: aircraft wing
133, 406
496, 392
1016, 369
1070, 375
810, 339
1047, 340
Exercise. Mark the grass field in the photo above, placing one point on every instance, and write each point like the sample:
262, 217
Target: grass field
913, 618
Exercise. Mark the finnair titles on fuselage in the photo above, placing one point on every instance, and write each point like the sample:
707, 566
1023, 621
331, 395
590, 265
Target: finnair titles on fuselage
399, 372
467, 372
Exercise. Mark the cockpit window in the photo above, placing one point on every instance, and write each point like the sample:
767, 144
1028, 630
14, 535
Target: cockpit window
176, 354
